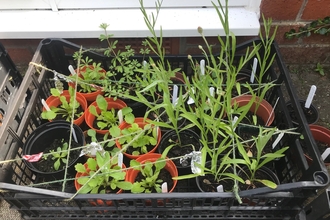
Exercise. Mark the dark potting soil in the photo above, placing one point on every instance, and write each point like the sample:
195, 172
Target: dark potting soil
208, 184
310, 115
164, 175
259, 174
47, 166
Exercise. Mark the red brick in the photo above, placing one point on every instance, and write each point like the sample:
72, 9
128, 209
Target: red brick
280, 9
280, 33
316, 9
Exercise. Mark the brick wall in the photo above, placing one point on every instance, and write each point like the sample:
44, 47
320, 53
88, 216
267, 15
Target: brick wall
286, 14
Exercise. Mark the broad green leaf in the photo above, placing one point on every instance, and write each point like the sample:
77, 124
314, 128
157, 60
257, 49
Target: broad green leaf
118, 175
93, 183
124, 185
80, 168
101, 103
55, 92
48, 115
92, 110
84, 189
91, 163
136, 188
83, 180
115, 131
57, 164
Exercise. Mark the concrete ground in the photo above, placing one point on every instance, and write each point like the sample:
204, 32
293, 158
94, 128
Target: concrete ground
8, 214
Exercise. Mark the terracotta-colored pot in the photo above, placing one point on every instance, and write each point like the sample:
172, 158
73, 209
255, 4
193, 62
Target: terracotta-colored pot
320, 134
91, 96
141, 122
55, 102
264, 110
152, 157
112, 104
78, 186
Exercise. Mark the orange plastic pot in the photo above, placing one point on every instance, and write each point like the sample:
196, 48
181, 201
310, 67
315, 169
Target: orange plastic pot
53, 101
260, 107
141, 122
320, 134
112, 104
98, 201
152, 157
90, 96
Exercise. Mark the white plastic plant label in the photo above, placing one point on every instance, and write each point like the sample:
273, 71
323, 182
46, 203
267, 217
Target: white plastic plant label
164, 187
202, 66
277, 140
45, 105
120, 116
325, 154
175, 94
120, 159
310, 96
254, 70
220, 188
191, 100
72, 70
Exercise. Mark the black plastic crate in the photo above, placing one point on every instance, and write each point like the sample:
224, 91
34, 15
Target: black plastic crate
299, 180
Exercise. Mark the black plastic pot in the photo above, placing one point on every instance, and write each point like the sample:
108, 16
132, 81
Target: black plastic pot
262, 173
42, 137
190, 141
207, 183
311, 113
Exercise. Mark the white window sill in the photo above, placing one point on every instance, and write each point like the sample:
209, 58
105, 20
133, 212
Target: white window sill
175, 22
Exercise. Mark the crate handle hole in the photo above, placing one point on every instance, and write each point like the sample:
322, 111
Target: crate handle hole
321, 178
309, 211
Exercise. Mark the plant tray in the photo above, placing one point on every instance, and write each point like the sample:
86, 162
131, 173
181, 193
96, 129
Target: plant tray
299, 179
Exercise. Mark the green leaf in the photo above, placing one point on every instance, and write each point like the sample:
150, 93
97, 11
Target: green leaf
83, 180
102, 103
92, 110
85, 189
50, 115
115, 131
124, 185
137, 188
57, 164
129, 118
91, 164
93, 183
55, 92
118, 175
80, 168
268, 183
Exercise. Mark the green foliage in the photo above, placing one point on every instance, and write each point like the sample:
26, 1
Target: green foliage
150, 172
66, 108
91, 73
103, 175
320, 26
260, 160
319, 69
136, 137
59, 156
108, 118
